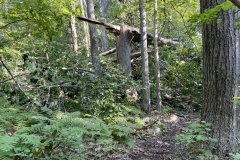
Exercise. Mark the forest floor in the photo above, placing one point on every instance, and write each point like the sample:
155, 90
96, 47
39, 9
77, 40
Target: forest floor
154, 144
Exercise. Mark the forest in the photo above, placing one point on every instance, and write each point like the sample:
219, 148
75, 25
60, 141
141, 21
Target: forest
119, 79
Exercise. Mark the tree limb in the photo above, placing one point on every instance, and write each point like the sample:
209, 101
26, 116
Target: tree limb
12, 76
16, 21
236, 3
75, 68
115, 29
15, 77
108, 52
137, 54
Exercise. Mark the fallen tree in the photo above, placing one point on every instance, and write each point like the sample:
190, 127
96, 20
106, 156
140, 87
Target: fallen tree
115, 29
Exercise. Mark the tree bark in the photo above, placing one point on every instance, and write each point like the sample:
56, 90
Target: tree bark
221, 71
85, 41
93, 38
74, 33
125, 49
157, 69
145, 71
104, 6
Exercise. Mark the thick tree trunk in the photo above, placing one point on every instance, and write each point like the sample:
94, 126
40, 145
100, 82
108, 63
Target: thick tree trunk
125, 49
221, 71
93, 38
145, 71
157, 69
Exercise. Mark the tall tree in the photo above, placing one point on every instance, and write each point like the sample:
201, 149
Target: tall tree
144, 54
83, 4
157, 69
73, 28
221, 71
104, 6
93, 38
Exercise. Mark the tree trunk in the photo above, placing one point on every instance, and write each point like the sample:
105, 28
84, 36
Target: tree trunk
221, 71
85, 42
157, 69
93, 38
125, 49
104, 6
5, 5
74, 33
145, 72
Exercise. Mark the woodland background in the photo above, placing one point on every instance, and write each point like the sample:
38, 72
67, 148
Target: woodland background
63, 98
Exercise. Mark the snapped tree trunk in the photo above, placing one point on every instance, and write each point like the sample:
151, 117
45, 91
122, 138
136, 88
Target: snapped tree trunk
125, 49
144, 53
93, 38
157, 69
221, 73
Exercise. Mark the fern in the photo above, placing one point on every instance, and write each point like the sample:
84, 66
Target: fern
57, 135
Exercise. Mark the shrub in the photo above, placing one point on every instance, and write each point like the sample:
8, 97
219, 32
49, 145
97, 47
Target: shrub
192, 141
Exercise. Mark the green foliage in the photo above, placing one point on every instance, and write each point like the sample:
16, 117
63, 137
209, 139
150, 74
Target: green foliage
192, 141
105, 96
40, 18
236, 156
64, 136
209, 15
13, 118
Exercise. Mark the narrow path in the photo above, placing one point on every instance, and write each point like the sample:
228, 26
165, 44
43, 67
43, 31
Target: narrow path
160, 146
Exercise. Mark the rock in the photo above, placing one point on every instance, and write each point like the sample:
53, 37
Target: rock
146, 119
131, 94
156, 130
172, 119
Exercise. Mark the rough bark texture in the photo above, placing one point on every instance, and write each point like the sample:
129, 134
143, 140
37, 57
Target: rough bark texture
93, 38
157, 69
104, 6
221, 67
124, 49
145, 71
85, 40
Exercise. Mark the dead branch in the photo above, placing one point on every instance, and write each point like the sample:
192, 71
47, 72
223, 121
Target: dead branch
108, 52
75, 68
12, 76
137, 54
16, 21
19, 75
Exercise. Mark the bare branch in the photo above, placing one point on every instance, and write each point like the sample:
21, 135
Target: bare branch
108, 52
16, 21
23, 74
12, 76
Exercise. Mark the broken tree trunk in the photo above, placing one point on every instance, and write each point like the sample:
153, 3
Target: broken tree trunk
124, 49
135, 32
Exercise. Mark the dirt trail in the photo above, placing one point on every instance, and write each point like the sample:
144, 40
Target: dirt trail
160, 146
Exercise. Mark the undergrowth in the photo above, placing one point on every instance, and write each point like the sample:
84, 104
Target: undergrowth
191, 142
47, 134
